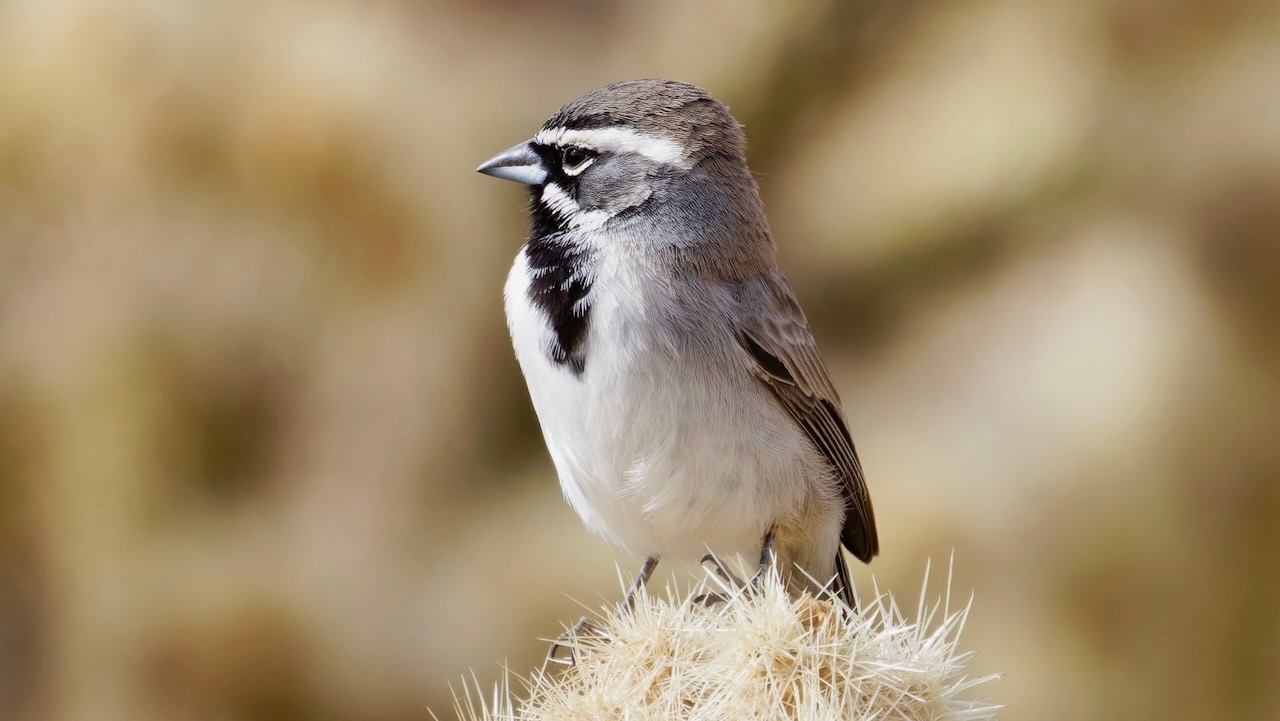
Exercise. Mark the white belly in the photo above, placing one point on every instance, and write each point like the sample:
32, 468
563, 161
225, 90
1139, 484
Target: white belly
662, 451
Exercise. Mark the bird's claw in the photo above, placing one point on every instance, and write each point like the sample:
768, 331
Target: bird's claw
721, 571
767, 560
568, 642
714, 565
709, 599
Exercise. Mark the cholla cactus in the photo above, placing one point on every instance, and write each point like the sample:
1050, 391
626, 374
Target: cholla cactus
759, 655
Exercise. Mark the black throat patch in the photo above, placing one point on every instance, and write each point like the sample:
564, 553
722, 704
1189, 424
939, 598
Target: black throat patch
559, 283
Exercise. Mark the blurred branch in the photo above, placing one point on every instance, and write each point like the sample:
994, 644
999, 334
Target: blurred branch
839, 50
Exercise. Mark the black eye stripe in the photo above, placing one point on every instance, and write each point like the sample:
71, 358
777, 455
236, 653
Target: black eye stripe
550, 154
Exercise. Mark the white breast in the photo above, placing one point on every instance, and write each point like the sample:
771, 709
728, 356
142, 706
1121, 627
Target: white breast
662, 448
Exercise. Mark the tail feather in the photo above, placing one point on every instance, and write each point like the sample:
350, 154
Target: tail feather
842, 585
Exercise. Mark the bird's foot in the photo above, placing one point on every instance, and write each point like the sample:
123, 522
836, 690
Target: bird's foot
767, 560
714, 565
568, 642
585, 627
709, 599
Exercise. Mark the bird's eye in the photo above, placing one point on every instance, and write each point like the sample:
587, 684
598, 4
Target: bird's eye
574, 159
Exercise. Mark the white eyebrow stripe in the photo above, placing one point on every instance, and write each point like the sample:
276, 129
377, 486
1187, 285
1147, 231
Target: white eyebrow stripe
617, 140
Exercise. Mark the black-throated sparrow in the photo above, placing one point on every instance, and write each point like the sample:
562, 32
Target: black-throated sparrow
679, 389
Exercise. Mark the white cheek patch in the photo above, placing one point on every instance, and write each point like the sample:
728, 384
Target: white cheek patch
559, 202
617, 140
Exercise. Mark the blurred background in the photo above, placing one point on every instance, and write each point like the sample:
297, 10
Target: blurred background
265, 452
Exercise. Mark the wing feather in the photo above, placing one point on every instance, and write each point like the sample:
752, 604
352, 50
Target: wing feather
776, 335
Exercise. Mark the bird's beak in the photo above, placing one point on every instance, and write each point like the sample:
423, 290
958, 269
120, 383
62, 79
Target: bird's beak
518, 163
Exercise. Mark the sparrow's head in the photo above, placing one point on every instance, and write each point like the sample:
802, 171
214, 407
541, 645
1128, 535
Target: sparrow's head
655, 151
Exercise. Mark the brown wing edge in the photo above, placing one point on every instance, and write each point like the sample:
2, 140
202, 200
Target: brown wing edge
858, 533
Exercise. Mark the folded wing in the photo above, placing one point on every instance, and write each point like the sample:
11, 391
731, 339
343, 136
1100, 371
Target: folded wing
776, 335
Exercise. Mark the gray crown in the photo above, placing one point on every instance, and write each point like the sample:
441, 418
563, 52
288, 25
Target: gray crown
683, 112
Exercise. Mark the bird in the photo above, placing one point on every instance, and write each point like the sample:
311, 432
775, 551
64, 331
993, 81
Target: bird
676, 381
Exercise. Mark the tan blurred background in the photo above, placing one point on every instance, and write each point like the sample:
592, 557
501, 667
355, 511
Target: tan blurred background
265, 452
